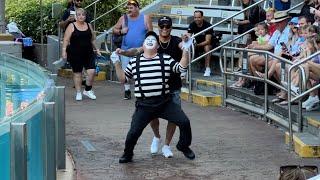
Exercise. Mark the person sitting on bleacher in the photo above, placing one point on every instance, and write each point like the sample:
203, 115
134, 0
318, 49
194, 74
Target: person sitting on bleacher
312, 70
293, 49
300, 50
316, 12
279, 37
280, 5
252, 16
303, 21
295, 52
269, 16
262, 39
305, 10
282, 33
203, 41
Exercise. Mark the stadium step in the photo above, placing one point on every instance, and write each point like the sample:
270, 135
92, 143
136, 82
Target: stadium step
305, 144
202, 98
67, 73
178, 19
211, 86
313, 122
276, 112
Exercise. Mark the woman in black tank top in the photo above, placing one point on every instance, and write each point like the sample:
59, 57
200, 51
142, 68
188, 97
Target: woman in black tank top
80, 39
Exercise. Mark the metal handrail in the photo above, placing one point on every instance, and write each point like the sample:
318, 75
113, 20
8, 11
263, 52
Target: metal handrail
108, 11
289, 85
298, 64
269, 54
298, 96
230, 41
95, 2
224, 44
94, 11
294, 7
265, 79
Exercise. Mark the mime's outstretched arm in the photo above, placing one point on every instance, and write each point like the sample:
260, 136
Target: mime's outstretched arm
119, 71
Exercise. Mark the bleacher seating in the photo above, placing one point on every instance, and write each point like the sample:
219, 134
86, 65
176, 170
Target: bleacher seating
208, 91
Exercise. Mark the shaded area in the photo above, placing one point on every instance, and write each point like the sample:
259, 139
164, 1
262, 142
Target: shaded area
228, 144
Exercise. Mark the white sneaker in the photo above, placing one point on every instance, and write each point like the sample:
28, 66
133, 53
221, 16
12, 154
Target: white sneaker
154, 148
207, 72
78, 96
166, 151
309, 101
295, 89
90, 94
313, 106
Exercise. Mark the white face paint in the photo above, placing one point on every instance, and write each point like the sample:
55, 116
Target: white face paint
150, 42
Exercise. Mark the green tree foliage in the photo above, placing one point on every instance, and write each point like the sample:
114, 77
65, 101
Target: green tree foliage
27, 15
109, 20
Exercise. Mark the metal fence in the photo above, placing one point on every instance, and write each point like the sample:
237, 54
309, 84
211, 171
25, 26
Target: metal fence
32, 139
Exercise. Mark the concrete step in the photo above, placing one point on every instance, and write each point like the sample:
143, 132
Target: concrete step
166, 8
6, 37
203, 2
177, 19
313, 122
211, 86
248, 96
305, 144
67, 73
202, 98
259, 110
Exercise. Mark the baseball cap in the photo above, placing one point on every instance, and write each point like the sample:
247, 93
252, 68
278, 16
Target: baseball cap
164, 20
294, 21
152, 33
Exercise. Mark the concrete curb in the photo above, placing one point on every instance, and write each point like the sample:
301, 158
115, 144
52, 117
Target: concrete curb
69, 172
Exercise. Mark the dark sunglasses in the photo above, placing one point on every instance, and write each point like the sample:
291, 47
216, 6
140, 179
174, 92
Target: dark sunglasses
308, 170
78, 0
165, 26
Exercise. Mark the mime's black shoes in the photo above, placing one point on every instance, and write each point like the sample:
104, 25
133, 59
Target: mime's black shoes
125, 158
187, 152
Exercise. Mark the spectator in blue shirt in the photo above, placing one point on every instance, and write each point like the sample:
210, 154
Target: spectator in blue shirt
281, 5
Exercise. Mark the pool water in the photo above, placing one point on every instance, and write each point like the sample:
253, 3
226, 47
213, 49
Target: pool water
16, 92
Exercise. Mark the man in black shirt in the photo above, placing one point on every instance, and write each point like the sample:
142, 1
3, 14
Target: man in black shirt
305, 10
151, 72
203, 41
171, 45
69, 14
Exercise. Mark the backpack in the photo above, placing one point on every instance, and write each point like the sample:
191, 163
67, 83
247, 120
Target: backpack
117, 39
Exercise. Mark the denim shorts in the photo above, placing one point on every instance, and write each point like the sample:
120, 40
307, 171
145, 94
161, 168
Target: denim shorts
124, 61
175, 95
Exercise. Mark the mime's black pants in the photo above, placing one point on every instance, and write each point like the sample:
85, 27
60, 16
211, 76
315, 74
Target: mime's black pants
148, 109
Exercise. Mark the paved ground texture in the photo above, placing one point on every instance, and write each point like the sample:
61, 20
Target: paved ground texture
228, 144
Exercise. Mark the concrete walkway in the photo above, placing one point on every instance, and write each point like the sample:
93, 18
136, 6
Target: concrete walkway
228, 144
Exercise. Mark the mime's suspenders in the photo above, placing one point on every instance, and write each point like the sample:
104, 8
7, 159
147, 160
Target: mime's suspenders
163, 75
138, 74
162, 72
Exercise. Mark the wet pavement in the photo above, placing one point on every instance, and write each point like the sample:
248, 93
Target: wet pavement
228, 144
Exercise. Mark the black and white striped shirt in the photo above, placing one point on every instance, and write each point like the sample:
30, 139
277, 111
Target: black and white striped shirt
151, 74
